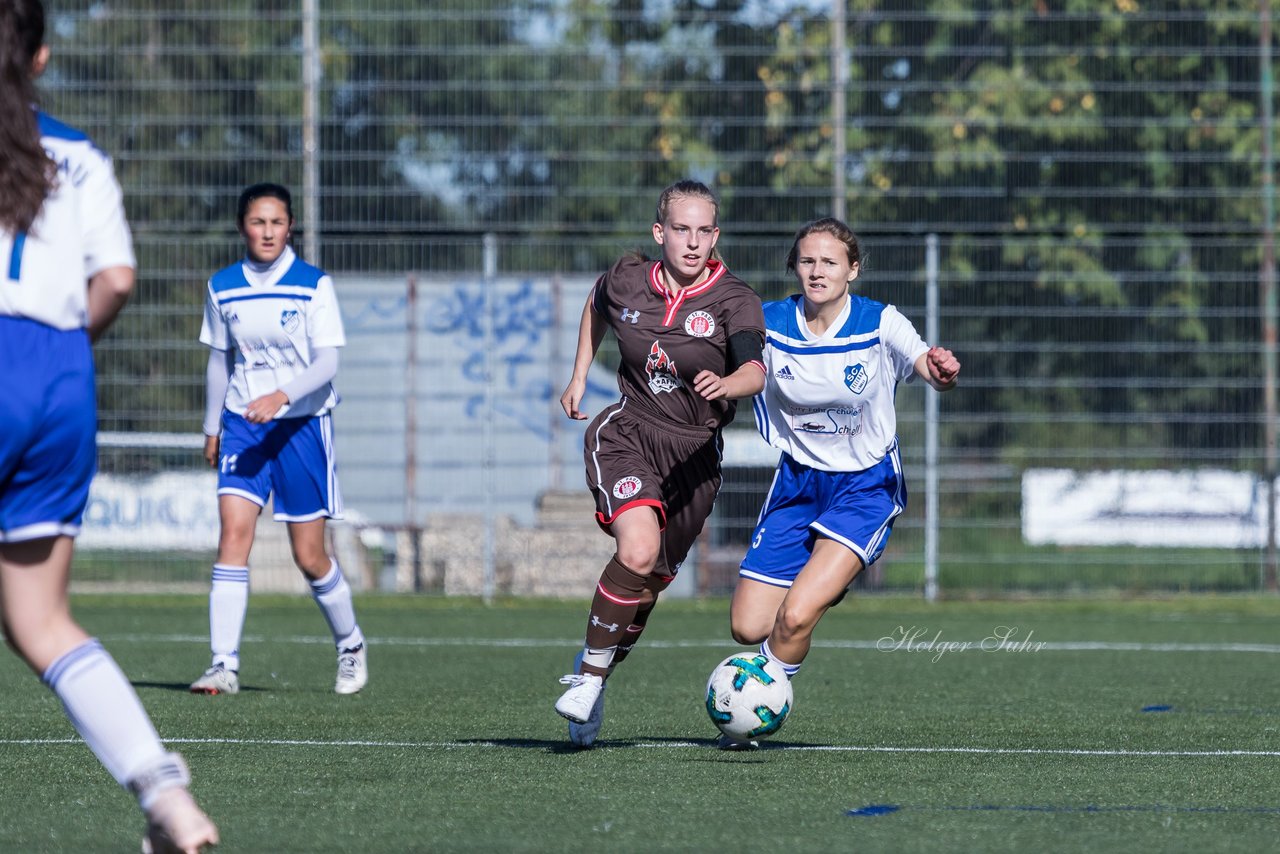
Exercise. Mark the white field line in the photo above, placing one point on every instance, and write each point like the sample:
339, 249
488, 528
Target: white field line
893, 644
770, 746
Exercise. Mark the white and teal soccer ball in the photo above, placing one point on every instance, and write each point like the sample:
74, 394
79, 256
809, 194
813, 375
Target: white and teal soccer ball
748, 696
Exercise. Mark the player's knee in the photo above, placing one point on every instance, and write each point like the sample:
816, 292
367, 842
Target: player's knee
639, 558
749, 628
748, 635
313, 562
235, 540
795, 621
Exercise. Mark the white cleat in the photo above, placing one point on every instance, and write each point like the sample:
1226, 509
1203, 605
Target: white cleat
584, 734
217, 680
579, 701
353, 670
724, 742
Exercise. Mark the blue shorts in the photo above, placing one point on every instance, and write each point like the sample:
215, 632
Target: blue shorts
48, 425
291, 457
855, 509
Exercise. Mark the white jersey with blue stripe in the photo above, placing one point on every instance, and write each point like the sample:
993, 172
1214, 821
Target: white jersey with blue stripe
274, 318
81, 231
828, 400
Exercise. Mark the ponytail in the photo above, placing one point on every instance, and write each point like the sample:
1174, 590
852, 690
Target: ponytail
26, 172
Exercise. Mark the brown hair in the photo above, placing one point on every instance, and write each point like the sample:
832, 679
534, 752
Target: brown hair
26, 172
827, 225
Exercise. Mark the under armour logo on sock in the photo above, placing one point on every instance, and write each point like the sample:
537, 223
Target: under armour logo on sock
611, 627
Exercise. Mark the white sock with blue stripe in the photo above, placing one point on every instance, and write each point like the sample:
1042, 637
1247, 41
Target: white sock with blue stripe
105, 710
333, 595
228, 601
790, 669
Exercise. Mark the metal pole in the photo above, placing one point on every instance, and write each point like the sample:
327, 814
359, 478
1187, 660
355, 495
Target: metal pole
310, 133
839, 80
1267, 288
931, 428
411, 430
487, 441
554, 413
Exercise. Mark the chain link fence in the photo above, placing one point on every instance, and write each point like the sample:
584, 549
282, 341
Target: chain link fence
1096, 181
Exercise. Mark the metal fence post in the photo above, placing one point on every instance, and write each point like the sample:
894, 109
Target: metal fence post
487, 441
931, 428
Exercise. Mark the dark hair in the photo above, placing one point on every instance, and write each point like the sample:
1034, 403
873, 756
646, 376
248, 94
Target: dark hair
687, 188
263, 191
26, 171
826, 225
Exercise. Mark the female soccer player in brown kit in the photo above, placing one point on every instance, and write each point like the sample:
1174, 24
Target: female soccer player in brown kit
690, 335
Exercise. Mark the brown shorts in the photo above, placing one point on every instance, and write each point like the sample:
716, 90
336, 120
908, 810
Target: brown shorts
636, 459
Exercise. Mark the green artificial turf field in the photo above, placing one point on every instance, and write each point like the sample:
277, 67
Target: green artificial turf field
1101, 725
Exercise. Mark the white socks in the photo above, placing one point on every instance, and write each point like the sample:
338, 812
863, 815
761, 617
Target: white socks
333, 595
105, 710
790, 669
228, 601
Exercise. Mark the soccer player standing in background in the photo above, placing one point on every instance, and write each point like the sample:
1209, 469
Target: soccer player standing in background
834, 362
273, 327
62, 224
690, 335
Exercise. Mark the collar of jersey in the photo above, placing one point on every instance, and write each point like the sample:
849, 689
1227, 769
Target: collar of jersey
270, 275
833, 330
717, 269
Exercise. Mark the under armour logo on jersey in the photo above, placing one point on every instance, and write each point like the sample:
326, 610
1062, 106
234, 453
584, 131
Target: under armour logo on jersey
785, 373
610, 627
628, 316
289, 320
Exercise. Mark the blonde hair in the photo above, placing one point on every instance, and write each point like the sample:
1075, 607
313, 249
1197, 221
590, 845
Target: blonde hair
685, 189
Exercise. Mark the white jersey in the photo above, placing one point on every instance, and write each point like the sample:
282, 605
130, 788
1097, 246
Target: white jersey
274, 318
81, 231
828, 399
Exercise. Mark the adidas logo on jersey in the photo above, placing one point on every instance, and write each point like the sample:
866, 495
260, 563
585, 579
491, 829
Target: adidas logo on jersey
785, 373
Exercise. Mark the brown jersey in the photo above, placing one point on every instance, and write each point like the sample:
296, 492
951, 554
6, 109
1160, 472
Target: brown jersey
666, 339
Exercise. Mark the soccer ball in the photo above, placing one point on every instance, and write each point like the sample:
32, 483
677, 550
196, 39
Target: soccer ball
748, 696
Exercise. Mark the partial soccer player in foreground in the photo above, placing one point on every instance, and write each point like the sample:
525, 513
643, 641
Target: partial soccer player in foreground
690, 335
834, 361
273, 329
62, 224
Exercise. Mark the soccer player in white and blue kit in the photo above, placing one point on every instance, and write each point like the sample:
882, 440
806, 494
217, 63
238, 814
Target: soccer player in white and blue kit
273, 328
834, 361
62, 225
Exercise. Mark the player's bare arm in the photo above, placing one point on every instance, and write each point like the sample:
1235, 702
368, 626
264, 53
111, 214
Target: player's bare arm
590, 333
109, 290
939, 368
747, 381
